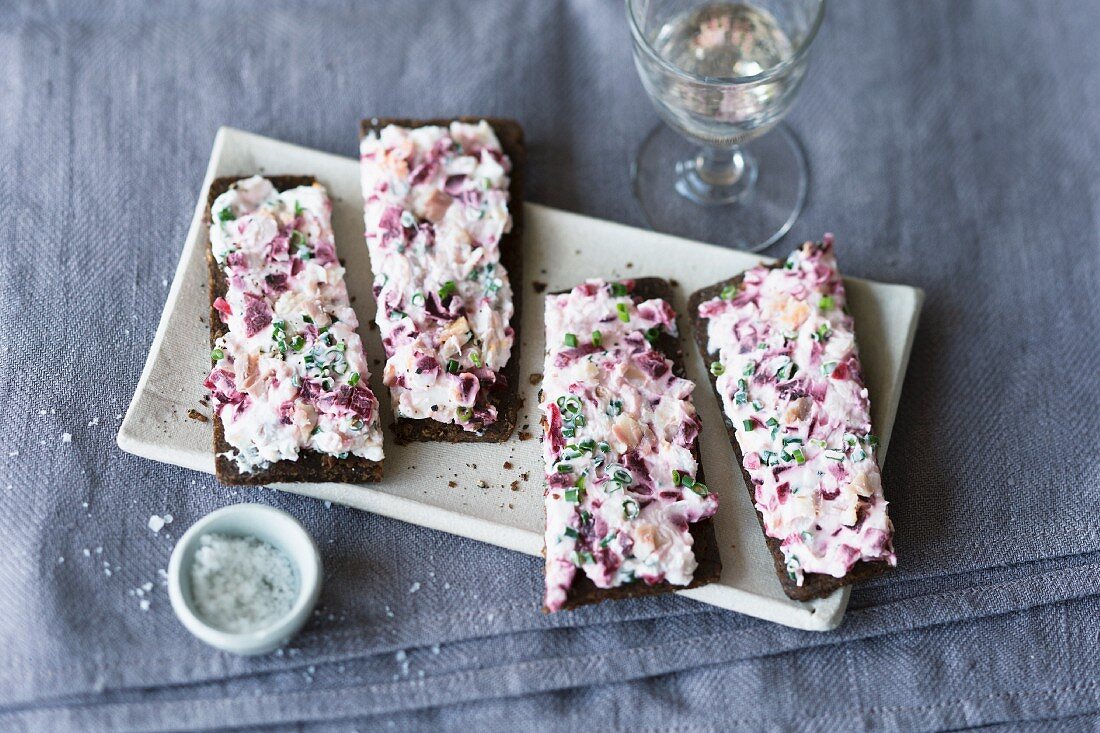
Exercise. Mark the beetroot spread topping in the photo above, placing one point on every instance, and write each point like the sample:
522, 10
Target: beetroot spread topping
790, 380
620, 428
291, 373
436, 207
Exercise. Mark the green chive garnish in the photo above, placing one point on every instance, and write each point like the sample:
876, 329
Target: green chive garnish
651, 335
447, 289
828, 367
217, 354
825, 303
749, 369
464, 414
675, 477
618, 290
597, 338
700, 489
729, 292
630, 508
452, 366
749, 424
624, 312
353, 379
226, 214
571, 340
798, 456
565, 468
717, 369
475, 358
570, 532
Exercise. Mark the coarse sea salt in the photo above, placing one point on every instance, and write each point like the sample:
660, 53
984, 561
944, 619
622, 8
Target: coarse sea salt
241, 584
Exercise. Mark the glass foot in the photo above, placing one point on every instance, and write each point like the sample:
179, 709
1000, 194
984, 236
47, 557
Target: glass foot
751, 213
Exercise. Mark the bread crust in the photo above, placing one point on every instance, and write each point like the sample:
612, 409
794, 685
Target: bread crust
815, 585
311, 466
506, 396
583, 591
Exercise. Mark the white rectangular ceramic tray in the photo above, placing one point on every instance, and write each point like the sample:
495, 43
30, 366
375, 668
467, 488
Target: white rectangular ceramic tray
488, 501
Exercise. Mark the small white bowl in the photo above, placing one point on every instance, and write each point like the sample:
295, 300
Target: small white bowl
273, 526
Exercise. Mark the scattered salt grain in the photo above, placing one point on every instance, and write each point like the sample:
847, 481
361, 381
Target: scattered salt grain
61, 560
241, 584
156, 523
13, 454
41, 412
87, 552
414, 587
118, 416
93, 422
66, 437
435, 648
401, 655
167, 518
144, 604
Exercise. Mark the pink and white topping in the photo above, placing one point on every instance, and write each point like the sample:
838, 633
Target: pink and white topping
291, 373
619, 432
790, 380
436, 207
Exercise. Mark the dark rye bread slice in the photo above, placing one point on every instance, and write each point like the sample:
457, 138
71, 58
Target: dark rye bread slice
584, 592
814, 585
506, 398
311, 466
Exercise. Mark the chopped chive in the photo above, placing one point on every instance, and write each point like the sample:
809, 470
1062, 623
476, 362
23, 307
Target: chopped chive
298, 343
798, 456
579, 483
464, 414
597, 338
573, 495
729, 292
418, 298
771, 422
561, 401
651, 335
675, 477
396, 315
622, 476
475, 358
825, 303
687, 481
834, 455
624, 312
828, 367
872, 440
306, 318
298, 208
604, 446
580, 421
749, 369
700, 489
618, 290
757, 405
615, 408
568, 432
587, 445
217, 354
447, 289
823, 331
570, 340
858, 456
607, 540
226, 214
452, 366
565, 468
717, 369
630, 508
570, 532
749, 424
353, 379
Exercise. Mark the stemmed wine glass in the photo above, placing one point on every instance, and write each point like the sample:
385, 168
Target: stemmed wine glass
721, 75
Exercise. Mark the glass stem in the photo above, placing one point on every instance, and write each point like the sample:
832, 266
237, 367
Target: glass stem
720, 166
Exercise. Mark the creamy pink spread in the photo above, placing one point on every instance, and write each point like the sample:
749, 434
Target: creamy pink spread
619, 431
790, 380
291, 373
436, 207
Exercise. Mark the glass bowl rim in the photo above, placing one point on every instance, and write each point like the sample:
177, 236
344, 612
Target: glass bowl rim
640, 41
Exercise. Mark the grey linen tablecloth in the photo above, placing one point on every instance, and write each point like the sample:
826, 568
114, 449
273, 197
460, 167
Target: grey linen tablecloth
954, 146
